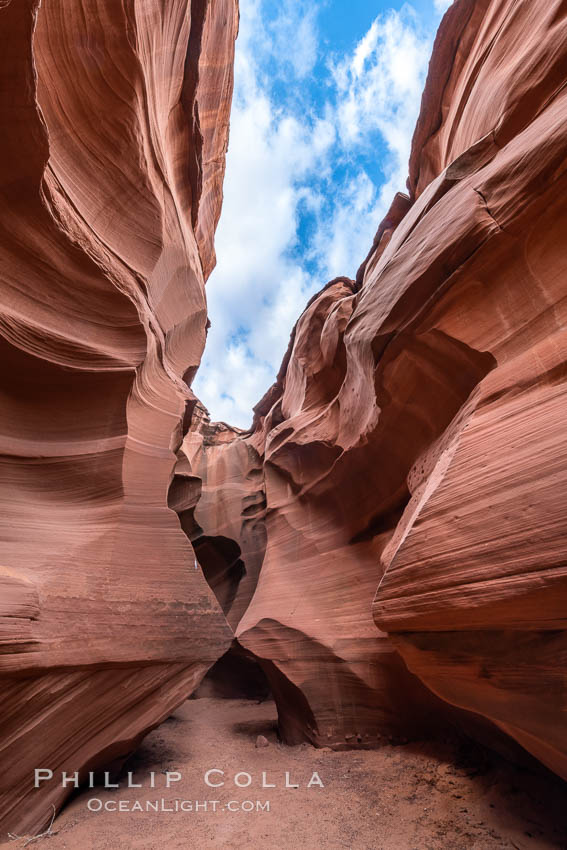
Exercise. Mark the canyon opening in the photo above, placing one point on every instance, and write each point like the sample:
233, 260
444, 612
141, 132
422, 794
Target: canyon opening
340, 621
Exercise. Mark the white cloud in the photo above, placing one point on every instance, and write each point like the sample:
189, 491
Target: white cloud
296, 26
282, 163
343, 240
378, 91
442, 5
380, 86
256, 291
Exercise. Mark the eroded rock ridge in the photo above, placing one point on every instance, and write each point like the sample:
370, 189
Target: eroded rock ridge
413, 448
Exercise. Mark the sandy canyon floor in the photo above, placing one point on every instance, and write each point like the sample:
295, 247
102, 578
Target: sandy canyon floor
434, 796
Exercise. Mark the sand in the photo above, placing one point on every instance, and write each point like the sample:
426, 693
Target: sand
441, 795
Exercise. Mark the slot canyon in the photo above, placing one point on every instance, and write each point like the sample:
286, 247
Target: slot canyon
383, 553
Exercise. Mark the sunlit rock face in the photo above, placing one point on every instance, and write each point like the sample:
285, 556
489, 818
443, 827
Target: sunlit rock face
114, 129
218, 492
411, 451
293, 545
414, 441
475, 586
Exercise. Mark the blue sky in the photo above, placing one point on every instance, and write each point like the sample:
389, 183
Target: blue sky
326, 96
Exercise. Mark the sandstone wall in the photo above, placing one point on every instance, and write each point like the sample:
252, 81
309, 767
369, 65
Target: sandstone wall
114, 127
388, 539
415, 439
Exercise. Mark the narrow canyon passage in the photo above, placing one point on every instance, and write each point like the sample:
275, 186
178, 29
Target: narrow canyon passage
439, 795
383, 551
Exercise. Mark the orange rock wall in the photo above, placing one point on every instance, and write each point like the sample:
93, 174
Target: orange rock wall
415, 441
114, 127
475, 582
389, 538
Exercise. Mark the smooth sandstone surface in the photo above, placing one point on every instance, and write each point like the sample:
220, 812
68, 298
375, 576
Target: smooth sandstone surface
114, 128
388, 539
475, 582
414, 440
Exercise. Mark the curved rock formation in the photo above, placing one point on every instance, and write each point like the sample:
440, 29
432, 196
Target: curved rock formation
415, 436
475, 583
413, 440
307, 610
114, 128
218, 492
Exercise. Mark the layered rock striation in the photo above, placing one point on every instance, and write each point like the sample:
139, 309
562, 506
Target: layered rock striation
475, 583
114, 129
412, 450
388, 540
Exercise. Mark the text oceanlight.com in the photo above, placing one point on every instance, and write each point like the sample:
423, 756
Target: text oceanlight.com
95, 804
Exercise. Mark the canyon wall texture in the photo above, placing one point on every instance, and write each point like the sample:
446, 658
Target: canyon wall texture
388, 540
413, 449
114, 129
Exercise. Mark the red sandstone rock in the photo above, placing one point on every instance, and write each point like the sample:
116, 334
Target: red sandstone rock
308, 616
475, 584
218, 492
114, 127
415, 435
